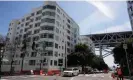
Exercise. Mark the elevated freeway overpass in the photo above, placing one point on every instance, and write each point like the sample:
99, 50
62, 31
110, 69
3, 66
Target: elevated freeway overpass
104, 41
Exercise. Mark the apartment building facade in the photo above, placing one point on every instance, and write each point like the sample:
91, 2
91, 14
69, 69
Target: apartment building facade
48, 25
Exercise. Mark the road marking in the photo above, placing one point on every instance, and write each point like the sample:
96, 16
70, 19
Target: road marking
102, 76
3, 79
87, 75
72, 78
94, 75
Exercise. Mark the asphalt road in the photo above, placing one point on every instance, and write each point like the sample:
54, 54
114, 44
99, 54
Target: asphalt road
79, 77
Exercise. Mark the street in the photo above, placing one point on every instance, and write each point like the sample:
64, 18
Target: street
79, 77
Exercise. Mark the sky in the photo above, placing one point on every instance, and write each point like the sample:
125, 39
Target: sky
92, 17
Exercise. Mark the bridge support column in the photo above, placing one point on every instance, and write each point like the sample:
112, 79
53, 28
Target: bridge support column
100, 50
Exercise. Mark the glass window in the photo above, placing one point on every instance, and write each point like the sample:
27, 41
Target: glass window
44, 35
37, 24
68, 31
56, 54
68, 37
55, 62
49, 7
51, 62
50, 53
51, 36
48, 13
68, 20
49, 44
68, 26
48, 20
58, 10
38, 18
39, 12
32, 62
57, 23
36, 31
31, 26
31, 20
46, 27
27, 18
35, 38
21, 31
56, 45
33, 54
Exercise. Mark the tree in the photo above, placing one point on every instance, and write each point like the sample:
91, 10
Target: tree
120, 54
23, 49
2, 46
81, 56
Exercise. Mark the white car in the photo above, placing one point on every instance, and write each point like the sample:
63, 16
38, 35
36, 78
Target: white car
70, 72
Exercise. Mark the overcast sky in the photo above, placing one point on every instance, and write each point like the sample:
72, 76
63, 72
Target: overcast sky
92, 17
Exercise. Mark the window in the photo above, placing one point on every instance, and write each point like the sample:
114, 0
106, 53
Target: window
25, 29
51, 62
48, 13
49, 7
49, 44
68, 26
68, 44
55, 63
58, 10
22, 25
26, 24
17, 27
30, 26
37, 24
51, 36
68, 50
38, 18
33, 54
68, 31
27, 18
39, 12
48, 20
31, 20
36, 31
56, 45
68, 37
21, 31
46, 27
50, 53
57, 30
56, 54
32, 14
32, 62
44, 35
62, 47
35, 38
68, 20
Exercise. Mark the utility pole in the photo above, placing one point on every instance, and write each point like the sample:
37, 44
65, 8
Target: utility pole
125, 47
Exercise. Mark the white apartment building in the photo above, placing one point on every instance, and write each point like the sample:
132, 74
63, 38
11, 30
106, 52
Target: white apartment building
47, 23
130, 12
86, 40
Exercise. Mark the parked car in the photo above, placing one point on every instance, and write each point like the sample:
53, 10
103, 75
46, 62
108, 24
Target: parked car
70, 72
